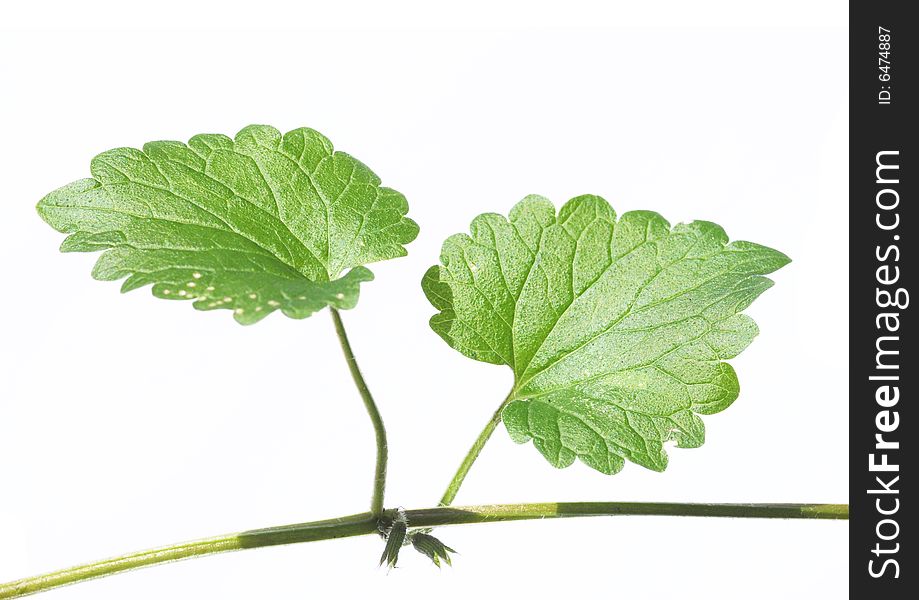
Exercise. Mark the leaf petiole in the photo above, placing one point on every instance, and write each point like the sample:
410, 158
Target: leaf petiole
473, 454
379, 479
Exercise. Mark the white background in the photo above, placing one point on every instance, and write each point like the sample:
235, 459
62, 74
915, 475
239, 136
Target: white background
128, 422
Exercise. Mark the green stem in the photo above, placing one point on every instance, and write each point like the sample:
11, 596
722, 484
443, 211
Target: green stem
379, 479
366, 523
473, 454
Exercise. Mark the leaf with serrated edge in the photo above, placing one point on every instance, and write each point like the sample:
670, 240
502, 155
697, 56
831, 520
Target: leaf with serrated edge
256, 223
616, 330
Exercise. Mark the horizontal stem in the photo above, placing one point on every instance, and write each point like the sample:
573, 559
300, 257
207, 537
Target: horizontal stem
461, 515
366, 523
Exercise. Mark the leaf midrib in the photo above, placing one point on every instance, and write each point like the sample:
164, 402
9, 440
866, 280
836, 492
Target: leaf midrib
646, 364
258, 167
526, 377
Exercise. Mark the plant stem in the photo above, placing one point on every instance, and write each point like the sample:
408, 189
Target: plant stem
379, 479
366, 523
473, 454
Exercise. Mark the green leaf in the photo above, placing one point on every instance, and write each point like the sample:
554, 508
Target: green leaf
258, 223
616, 330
